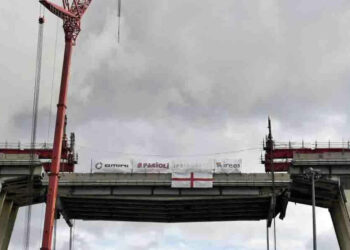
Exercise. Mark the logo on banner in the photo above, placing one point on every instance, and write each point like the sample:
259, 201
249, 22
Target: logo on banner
192, 165
153, 165
116, 165
98, 165
122, 166
228, 165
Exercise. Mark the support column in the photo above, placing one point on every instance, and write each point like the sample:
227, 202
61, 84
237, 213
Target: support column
4, 219
2, 200
341, 221
11, 224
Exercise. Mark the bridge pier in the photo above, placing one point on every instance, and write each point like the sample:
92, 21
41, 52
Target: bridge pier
341, 221
8, 214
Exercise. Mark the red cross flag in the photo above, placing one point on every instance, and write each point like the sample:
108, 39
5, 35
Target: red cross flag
192, 180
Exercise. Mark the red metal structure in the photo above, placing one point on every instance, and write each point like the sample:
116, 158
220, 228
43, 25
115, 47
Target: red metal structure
71, 14
280, 155
44, 153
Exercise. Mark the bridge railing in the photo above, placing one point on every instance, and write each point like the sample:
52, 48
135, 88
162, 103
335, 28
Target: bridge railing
311, 145
44, 152
20, 145
279, 157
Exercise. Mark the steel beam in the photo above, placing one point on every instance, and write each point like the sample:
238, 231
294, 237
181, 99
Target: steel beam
13, 169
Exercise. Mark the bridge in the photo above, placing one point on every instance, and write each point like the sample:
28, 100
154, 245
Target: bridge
150, 198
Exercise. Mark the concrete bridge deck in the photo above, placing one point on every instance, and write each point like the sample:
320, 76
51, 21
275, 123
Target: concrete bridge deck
149, 197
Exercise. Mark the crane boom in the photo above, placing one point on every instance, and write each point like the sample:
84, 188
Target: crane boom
71, 15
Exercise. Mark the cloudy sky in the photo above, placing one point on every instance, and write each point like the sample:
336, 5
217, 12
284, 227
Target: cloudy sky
188, 77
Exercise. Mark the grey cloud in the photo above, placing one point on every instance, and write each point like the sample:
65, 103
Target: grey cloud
216, 62
205, 62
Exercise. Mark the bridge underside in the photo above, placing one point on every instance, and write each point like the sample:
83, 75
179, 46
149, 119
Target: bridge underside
150, 198
327, 191
163, 209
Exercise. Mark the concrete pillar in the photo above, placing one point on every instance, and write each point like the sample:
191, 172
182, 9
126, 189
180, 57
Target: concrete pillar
341, 221
2, 200
4, 220
11, 224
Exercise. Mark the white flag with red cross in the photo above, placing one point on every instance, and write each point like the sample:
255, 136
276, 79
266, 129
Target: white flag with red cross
192, 180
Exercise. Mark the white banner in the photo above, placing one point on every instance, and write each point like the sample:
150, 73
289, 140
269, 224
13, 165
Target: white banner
117, 166
151, 166
166, 166
192, 165
192, 180
228, 166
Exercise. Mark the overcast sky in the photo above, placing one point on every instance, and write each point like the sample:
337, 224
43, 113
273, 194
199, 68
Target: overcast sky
188, 77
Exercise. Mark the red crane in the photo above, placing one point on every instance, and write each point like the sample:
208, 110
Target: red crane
71, 14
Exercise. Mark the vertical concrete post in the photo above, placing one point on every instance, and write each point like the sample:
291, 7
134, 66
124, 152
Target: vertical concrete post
341, 221
4, 219
2, 200
11, 224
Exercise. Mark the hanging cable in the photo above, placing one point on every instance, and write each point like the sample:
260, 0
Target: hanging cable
71, 236
34, 128
274, 203
274, 232
91, 149
55, 235
267, 236
270, 146
119, 14
52, 83
41, 221
40, 10
73, 239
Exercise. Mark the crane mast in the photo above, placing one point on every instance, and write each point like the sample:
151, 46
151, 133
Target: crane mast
71, 14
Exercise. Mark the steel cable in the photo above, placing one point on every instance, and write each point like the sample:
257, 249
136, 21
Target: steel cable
34, 129
170, 156
119, 13
52, 83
